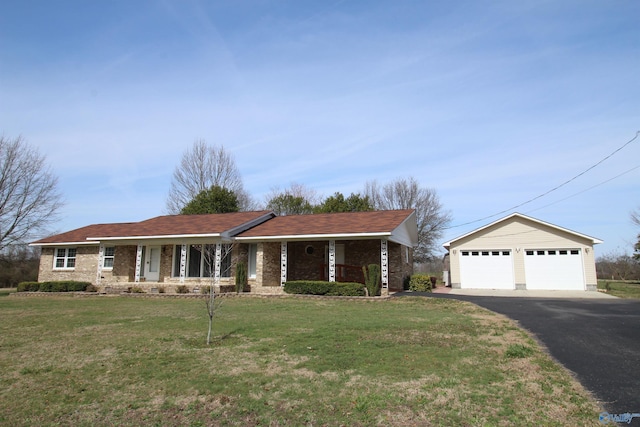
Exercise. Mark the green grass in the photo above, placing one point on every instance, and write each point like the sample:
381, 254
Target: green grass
275, 362
622, 289
4, 292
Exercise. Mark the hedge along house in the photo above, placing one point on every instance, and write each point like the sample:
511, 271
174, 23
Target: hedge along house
520, 252
193, 250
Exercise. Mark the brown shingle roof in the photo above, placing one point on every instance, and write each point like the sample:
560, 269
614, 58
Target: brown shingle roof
81, 234
169, 225
330, 224
214, 224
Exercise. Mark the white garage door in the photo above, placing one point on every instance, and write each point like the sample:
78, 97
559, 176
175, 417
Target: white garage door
554, 269
486, 269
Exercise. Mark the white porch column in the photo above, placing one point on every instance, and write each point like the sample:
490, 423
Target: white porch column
216, 272
283, 263
332, 260
100, 264
138, 263
384, 262
183, 262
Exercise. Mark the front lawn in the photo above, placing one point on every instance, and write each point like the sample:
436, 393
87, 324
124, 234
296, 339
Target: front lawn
4, 292
622, 289
276, 362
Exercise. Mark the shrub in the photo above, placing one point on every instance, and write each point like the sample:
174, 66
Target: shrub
54, 286
161, 289
59, 287
420, 283
91, 288
137, 290
28, 286
73, 286
46, 287
372, 279
241, 277
312, 287
182, 289
405, 282
205, 290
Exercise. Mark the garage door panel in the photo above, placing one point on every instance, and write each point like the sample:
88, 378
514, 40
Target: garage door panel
486, 269
554, 269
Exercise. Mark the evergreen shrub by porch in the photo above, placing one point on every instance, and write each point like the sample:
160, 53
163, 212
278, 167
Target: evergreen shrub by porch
313, 287
182, 289
372, 278
420, 283
241, 277
54, 286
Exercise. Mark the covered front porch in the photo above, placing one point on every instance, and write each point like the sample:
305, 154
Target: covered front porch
336, 261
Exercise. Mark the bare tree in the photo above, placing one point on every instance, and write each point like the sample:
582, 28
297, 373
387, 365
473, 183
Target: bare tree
295, 200
617, 265
635, 216
213, 300
202, 167
29, 197
408, 194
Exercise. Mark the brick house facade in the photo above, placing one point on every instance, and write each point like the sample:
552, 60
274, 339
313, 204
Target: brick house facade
197, 250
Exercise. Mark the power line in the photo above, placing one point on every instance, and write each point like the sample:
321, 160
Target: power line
585, 190
553, 189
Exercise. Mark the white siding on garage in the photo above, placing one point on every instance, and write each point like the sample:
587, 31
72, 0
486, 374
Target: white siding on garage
486, 269
522, 234
554, 269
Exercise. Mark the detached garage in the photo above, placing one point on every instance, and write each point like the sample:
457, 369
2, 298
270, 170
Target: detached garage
520, 252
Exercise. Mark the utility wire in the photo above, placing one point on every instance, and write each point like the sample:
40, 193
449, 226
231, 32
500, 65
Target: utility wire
553, 189
585, 190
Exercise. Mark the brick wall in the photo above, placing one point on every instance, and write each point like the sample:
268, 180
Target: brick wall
399, 267
86, 268
270, 263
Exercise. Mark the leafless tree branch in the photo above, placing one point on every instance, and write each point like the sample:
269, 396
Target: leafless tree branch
406, 193
202, 167
29, 198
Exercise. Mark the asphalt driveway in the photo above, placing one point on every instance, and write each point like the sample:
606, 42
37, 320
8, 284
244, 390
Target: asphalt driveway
597, 339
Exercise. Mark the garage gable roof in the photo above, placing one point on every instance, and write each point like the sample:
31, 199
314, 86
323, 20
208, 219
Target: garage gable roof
397, 225
594, 240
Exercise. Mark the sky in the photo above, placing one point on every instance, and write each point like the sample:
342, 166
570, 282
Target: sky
490, 103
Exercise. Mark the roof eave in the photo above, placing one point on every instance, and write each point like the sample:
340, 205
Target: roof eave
86, 243
594, 240
338, 236
156, 237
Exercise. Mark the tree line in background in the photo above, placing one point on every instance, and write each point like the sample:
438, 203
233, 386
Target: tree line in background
207, 180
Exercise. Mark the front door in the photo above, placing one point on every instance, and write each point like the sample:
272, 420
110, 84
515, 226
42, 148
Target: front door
152, 263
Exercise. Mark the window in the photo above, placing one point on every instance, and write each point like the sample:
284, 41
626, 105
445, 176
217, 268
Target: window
201, 260
225, 262
475, 253
529, 252
107, 258
506, 253
495, 253
563, 252
540, 252
253, 260
574, 252
65, 258
485, 253
465, 253
551, 252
